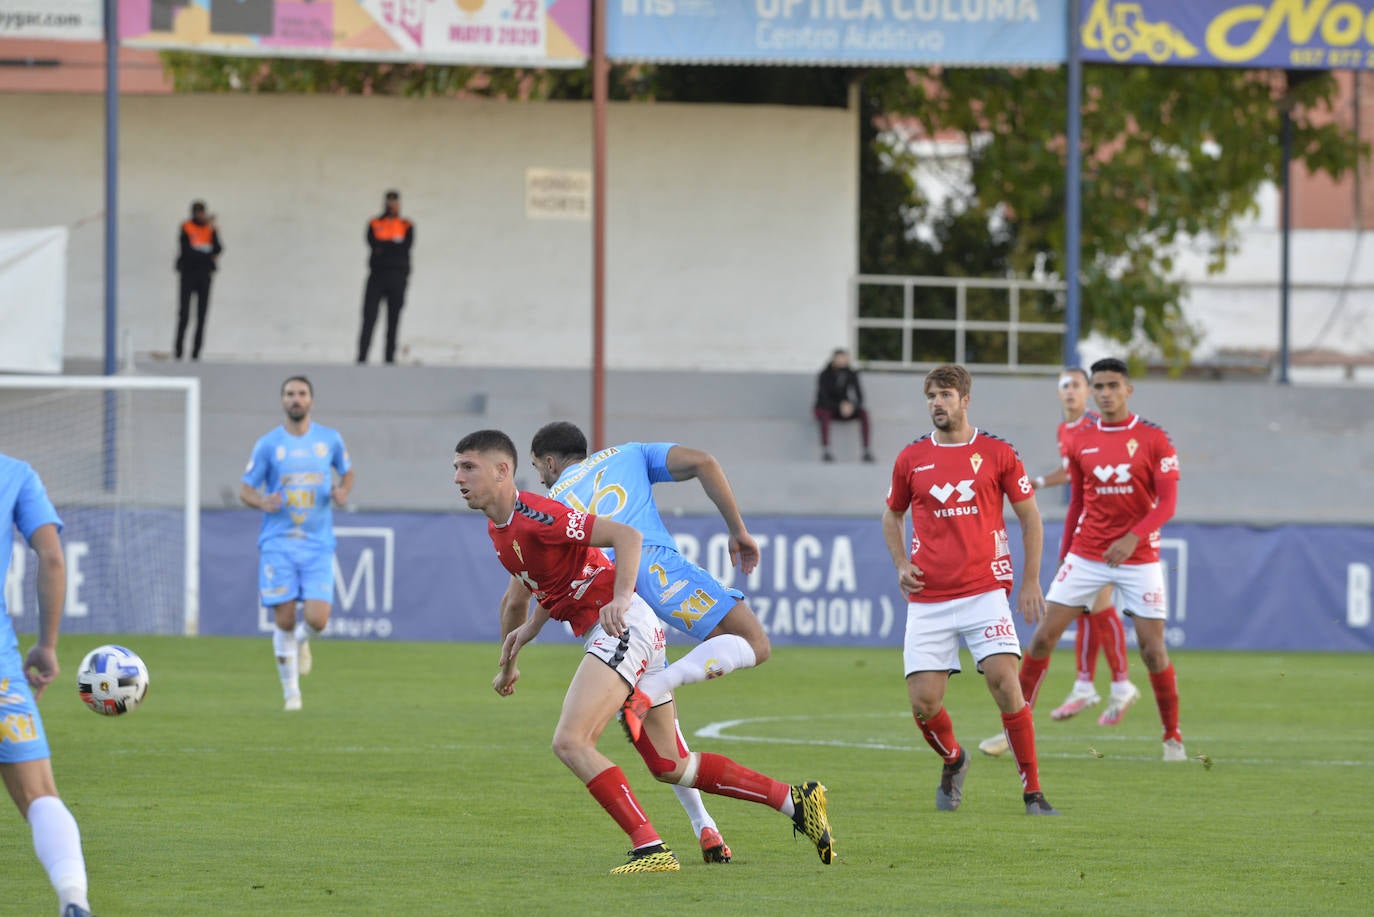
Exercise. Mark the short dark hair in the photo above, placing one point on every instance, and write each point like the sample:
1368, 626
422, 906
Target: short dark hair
1111, 365
487, 441
393, 195
197, 207
560, 438
950, 375
290, 379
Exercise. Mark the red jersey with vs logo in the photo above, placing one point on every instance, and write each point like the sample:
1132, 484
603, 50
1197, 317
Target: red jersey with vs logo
544, 545
1116, 466
959, 538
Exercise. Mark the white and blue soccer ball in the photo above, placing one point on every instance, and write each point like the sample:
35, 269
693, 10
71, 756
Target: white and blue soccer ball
112, 680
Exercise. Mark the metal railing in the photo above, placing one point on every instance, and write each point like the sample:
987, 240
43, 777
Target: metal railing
957, 320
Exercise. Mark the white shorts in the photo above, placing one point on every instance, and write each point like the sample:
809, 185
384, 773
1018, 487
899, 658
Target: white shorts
641, 650
1139, 587
933, 630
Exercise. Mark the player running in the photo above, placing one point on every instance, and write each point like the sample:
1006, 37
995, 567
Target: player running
958, 576
25, 761
554, 551
618, 483
1123, 471
1098, 628
291, 478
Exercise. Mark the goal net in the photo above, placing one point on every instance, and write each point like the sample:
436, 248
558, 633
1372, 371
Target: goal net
120, 457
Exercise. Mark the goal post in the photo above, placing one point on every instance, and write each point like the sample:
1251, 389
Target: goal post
120, 458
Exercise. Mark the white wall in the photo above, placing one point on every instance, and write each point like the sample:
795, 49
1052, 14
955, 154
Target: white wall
731, 235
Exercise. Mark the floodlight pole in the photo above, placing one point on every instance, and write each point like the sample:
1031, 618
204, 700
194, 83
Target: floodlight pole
1073, 190
600, 80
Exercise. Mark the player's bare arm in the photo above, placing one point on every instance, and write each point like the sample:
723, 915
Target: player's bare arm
684, 464
40, 665
626, 542
894, 536
251, 496
515, 604
1031, 599
342, 488
1056, 478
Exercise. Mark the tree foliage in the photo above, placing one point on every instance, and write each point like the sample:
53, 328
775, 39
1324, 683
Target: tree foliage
1169, 155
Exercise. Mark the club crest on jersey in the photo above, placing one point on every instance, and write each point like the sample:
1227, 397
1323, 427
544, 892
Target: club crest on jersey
281, 453
321, 450
976, 461
515, 546
1131, 446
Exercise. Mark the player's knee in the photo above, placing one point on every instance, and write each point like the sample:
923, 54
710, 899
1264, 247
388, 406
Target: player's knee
567, 747
762, 649
1155, 657
924, 708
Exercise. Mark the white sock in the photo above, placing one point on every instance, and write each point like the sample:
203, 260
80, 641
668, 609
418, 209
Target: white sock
708, 659
57, 841
305, 630
284, 646
694, 807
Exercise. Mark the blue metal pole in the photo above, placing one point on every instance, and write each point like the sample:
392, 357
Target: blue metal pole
111, 225
1073, 191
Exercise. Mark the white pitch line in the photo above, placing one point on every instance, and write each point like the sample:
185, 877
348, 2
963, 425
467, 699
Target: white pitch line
717, 730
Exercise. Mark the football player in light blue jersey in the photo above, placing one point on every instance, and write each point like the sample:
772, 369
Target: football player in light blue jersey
291, 478
618, 482
25, 760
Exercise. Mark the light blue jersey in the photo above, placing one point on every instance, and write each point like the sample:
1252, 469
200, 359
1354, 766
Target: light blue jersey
299, 469
24, 504
618, 483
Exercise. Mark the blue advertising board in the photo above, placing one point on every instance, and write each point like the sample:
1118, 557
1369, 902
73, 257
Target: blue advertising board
1291, 34
989, 33
822, 581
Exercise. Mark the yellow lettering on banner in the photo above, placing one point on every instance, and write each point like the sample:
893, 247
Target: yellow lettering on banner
1341, 24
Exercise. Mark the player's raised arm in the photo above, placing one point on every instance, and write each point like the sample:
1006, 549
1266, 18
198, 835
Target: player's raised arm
684, 464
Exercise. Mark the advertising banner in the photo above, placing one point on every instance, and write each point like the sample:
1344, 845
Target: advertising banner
542, 33
978, 33
822, 581
1291, 34
60, 20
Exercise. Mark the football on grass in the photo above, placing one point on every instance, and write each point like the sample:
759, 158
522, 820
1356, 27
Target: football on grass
112, 680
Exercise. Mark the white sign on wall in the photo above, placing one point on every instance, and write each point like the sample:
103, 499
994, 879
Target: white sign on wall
558, 194
65, 20
33, 299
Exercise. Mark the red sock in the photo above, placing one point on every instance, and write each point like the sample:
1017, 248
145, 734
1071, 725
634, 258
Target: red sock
610, 789
1032, 675
719, 775
938, 732
1020, 729
1110, 634
1166, 697
1085, 640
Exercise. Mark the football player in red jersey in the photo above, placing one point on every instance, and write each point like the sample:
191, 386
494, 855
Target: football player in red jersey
958, 576
554, 551
1099, 627
1123, 471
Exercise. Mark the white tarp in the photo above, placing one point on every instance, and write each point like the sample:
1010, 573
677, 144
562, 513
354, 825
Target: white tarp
33, 299
64, 20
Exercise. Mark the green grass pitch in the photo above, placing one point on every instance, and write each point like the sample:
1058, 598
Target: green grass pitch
407, 786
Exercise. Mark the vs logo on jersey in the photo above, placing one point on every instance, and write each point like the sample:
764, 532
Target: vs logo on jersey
1105, 473
943, 492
